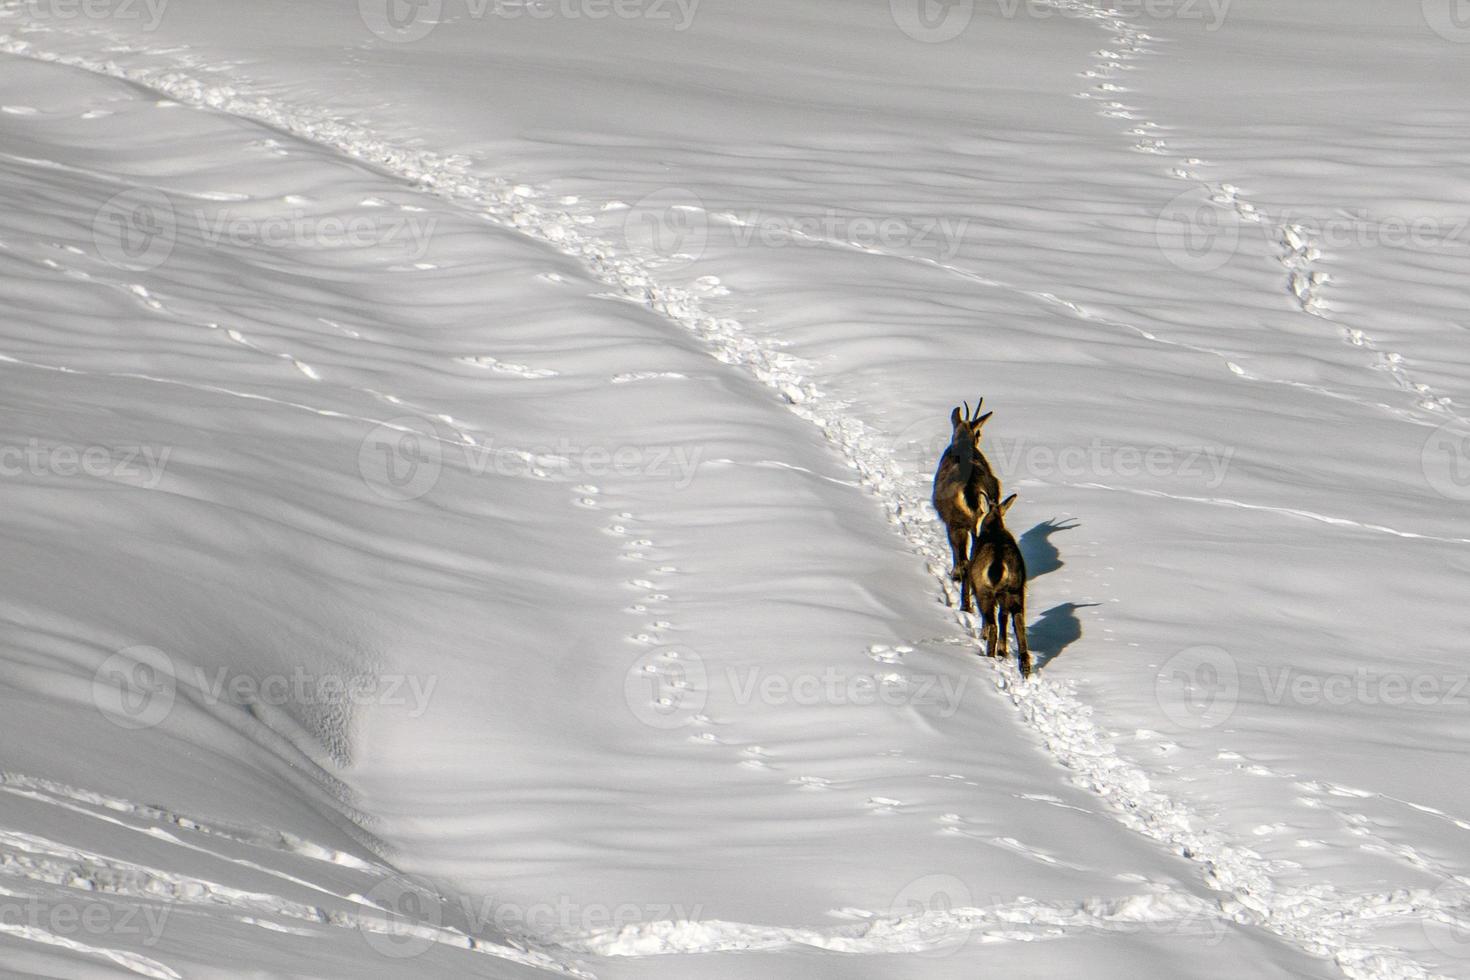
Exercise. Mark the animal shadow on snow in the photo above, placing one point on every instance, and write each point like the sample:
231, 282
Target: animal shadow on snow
1058, 627
1036, 547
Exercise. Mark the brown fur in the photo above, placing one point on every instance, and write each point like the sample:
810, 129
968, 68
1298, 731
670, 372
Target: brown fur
997, 575
963, 477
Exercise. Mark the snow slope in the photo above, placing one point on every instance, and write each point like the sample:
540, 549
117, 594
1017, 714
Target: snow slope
419, 336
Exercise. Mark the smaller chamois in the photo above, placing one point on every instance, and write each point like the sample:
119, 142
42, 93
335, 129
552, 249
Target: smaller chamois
997, 574
963, 478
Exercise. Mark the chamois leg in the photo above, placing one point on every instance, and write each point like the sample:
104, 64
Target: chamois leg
987, 621
1002, 613
959, 542
1018, 617
959, 538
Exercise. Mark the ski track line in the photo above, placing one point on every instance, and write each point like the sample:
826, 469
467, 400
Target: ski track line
132, 962
1316, 919
1296, 250
1308, 515
878, 933
41, 861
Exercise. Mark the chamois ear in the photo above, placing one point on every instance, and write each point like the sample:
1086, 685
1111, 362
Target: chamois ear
981, 421
955, 418
1005, 505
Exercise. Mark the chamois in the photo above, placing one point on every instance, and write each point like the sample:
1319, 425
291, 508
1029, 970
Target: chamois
997, 574
962, 479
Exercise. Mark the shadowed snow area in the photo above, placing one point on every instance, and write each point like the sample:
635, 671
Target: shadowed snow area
467, 490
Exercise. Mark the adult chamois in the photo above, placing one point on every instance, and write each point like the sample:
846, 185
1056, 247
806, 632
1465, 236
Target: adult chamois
964, 477
997, 575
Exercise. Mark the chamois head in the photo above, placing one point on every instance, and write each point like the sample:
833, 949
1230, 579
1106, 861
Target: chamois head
967, 426
991, 513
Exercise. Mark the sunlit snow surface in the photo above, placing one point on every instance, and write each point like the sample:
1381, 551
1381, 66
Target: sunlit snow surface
466, 489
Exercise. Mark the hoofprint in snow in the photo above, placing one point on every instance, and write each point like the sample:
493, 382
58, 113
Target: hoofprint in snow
1247, 883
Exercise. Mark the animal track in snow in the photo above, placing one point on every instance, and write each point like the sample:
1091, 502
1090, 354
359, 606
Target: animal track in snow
48, 872
505, 367
632, 376
811, 783
1296, 250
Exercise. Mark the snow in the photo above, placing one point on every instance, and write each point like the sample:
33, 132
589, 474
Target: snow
467, 490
